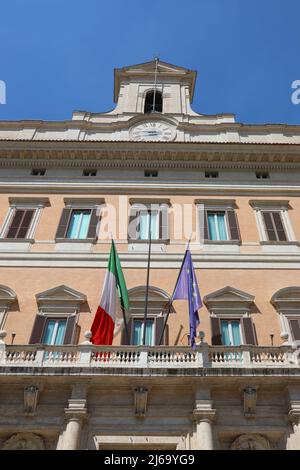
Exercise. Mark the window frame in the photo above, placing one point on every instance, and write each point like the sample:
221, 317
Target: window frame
215, 205
23, 204
160, 206
281, 207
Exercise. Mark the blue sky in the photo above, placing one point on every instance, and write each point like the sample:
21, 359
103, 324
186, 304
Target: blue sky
58, 55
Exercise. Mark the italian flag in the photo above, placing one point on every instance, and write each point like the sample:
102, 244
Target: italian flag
114, 297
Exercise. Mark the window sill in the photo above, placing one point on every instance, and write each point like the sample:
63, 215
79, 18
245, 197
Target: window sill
16, 244
222, 242
75, 240
280, 247
65, 245
153, 242
17, 240
143, 247
287, 243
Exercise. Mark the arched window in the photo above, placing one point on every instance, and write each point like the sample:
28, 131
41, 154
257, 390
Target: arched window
157, 309
150, 101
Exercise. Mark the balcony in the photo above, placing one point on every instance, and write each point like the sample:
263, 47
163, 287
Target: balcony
158, 360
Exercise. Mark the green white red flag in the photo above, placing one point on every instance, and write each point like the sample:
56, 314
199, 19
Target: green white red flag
114, 297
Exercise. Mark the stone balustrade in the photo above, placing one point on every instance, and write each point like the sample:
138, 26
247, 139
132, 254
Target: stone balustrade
170, 357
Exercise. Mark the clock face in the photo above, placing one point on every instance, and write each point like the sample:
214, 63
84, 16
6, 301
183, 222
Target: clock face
153, 131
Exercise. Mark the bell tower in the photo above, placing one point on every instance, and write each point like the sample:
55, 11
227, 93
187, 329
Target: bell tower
172, 86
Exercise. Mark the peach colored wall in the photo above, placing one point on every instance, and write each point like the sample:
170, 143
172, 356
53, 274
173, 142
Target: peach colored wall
27, 282
50, 216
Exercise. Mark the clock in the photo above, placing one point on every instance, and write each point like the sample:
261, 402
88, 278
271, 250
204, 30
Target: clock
154, 131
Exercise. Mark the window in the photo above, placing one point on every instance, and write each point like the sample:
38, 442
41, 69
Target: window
231, 323
153, 102
89, 173
146, 218
38, 172
287, 303
211, 174
78, 224
157, 309
217, 226
143, 215
21, 221
150, 173
231, 333
138, 332
54, 332
218, 221
262, 175
56, 321
274, 226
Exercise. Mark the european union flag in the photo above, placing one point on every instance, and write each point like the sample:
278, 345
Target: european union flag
187, 288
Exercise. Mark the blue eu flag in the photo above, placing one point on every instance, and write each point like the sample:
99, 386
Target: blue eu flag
187, 288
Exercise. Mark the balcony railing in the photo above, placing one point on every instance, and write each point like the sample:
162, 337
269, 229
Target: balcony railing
138, 357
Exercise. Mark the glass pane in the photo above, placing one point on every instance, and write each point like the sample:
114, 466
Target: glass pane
84, 226
154, 225
74, 225
149, 335
235, 326
225, 333
48, 333
144, 228
137, 332
61, 327
221, 226
212, 227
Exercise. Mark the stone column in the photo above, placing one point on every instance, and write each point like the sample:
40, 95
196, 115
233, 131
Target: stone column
73, 429
204, 434
294, 416
75, 414
203, 416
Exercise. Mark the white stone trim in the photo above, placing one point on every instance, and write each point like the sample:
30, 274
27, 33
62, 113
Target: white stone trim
24, 203
277, 206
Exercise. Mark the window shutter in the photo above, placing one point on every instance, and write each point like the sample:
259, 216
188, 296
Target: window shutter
279, 227
124, 340
163, 223
159, 325
15, 223
38, 329
248, 330
63, 223
70, 328
269, 226
25, 224
94, 220
20, 223
203, 224
134, 224
233, 225
295, 327
216, 339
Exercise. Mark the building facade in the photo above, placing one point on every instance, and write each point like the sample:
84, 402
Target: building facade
150, 165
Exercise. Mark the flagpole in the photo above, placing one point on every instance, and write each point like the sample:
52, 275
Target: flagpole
171, 299
122, 307
147, 282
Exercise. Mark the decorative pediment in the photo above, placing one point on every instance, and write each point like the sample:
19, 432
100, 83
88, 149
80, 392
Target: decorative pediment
62, 295
7, 296
228, 298
287, 298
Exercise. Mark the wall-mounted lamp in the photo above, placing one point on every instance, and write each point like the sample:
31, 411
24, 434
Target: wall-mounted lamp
13, 335
272, 338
